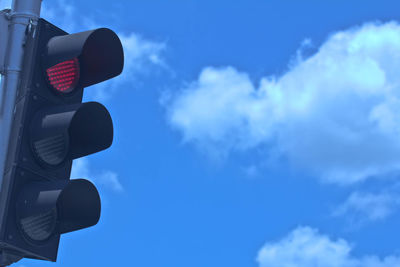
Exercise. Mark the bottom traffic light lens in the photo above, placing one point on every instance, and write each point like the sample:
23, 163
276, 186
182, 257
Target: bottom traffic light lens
52, 208
41, 226
64, 76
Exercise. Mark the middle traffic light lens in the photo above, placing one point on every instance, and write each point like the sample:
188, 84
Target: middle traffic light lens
64, 76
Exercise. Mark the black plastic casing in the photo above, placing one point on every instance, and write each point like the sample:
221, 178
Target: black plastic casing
38, 201
22, 166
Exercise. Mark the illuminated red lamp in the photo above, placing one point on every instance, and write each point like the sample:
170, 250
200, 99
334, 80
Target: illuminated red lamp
64, 76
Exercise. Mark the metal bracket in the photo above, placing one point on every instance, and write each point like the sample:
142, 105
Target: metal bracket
7, 258
4, 22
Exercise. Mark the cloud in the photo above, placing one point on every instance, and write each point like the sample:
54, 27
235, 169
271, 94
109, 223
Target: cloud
63, 14
110, 180
80, 169
140, 55
220, 109
335, 114
306, 247
361, 207
105, 178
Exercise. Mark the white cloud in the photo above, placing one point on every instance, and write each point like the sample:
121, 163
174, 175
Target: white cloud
336, 113
105, 178
221, 108
140, 55
110, 179
64, 15
80, 169
306, 247
361, 207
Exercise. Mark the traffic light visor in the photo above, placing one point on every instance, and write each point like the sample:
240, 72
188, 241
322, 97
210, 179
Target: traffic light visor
70, 132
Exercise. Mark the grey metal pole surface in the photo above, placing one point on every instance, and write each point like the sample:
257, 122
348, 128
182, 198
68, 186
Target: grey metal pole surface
22, 14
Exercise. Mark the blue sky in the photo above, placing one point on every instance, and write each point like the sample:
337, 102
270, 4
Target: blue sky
247, 133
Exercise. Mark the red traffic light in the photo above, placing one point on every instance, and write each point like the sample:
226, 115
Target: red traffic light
89, 57
64, 76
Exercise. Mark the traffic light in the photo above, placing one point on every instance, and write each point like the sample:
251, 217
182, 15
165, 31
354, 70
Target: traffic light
52, 127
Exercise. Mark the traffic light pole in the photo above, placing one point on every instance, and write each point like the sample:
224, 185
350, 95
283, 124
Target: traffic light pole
23, 13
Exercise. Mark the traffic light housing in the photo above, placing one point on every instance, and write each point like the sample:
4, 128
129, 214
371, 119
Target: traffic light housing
51, 128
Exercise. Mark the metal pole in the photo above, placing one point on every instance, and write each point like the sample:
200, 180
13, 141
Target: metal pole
23, 13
